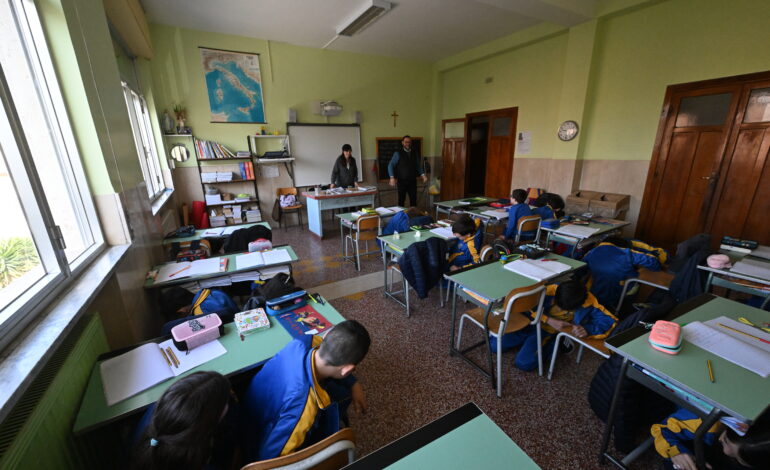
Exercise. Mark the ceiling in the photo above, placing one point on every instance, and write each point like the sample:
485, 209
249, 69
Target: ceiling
413, 29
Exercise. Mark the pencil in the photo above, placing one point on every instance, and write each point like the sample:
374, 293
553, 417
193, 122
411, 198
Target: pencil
744, 333
165, 357
173, 357
711, 370
183, 269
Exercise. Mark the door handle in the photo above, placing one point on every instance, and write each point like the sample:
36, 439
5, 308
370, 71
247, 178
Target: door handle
705, 177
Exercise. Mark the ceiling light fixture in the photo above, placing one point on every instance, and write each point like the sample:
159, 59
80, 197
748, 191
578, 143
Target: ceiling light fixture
373, 10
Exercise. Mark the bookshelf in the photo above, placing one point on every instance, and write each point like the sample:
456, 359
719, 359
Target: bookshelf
231, 174
253, 141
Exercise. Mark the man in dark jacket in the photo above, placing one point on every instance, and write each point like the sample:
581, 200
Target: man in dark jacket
404, 168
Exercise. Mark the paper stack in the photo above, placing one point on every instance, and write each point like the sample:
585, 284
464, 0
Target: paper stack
224, 176
253, 215
213, 199
718, 336
217, 221
209, 177
537, 269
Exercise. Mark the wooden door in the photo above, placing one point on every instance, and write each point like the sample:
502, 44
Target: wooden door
502, 133
453, 157
742, 199
685, 167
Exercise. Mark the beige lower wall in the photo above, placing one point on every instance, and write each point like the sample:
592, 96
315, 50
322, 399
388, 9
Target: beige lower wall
563, 176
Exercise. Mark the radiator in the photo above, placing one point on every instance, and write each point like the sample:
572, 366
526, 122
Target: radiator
38, 432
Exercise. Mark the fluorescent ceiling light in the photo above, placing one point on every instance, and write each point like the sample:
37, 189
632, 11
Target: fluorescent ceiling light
373, 10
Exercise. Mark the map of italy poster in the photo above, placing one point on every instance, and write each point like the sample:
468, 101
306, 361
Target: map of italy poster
234, 86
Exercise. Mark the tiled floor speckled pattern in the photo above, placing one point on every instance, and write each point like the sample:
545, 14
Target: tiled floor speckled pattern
410, 379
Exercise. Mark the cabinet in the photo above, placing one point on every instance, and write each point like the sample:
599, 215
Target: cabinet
229, 185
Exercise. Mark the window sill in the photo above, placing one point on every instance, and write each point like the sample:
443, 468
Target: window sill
161, 201
25, 357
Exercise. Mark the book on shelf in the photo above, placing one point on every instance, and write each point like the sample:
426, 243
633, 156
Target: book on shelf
209, 150
243, 154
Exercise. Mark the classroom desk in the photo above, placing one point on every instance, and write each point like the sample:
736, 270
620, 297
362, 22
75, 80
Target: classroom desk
393, 248
325, 201
490, 282
348, 220
199, 233
446, 207
240, 357
603, 229
231, 269
477, 212
736, 391
461, 439
721, 277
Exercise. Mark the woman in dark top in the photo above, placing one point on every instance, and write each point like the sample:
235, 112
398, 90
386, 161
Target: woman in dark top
345, 171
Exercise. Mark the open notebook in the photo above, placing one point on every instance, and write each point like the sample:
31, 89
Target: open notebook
496, 214
537, 269
578, 231
199, 267
718, 336
139, 369
752, 267
262, 258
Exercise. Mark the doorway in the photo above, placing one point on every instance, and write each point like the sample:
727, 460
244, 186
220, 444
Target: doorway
709, 170
478, 160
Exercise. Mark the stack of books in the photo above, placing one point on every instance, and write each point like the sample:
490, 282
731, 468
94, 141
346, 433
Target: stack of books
243, 154
212, 150
209, 176
253, 215
736, 244
224, 176
217, 221
213, 198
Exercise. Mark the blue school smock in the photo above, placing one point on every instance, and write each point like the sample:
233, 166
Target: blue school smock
516, 212
610, 266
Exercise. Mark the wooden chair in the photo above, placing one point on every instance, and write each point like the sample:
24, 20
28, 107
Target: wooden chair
326, 454
518, 304
296, 208
366, 228
528, 223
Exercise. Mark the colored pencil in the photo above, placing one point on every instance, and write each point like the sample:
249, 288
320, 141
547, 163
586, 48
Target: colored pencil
173, 357
165, 357
711, 370
744, 333
183, 269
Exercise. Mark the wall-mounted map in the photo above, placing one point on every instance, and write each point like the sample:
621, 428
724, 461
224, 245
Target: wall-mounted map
234, 85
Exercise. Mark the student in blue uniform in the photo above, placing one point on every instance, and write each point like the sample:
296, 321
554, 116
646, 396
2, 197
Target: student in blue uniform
465, 251
568, 305
674, 441
518, 209
191, 426
291, 402
615, 260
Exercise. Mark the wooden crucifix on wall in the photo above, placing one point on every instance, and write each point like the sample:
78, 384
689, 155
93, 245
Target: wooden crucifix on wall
394, 115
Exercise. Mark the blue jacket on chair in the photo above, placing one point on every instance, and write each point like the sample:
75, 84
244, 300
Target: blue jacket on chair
423, 264
610, 266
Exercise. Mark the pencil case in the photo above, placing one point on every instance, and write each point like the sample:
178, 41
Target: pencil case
666, 336
286, 303
198, 331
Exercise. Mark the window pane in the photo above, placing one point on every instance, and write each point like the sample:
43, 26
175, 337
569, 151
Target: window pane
454, 130
501, 126
20, 265
37, 115
708, 110
145, 145
758, 108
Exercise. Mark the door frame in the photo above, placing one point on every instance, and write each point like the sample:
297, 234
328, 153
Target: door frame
465, 148
491, 113
658, 158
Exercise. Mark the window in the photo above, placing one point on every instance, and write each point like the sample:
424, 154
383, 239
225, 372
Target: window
49, 228
145, 145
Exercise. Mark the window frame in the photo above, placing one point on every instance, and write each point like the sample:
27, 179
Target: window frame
59, 272
144, 140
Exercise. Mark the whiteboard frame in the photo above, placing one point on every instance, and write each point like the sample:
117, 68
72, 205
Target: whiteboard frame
298, 158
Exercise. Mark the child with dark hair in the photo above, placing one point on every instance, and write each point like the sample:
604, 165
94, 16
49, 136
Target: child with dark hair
290, 403
187, 428
567, 306
675, 435
519, 209
615, 260
465, 251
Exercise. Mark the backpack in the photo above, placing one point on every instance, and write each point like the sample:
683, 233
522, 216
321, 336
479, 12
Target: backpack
214, 301
501, 248
277, 286
288, 200
183, 231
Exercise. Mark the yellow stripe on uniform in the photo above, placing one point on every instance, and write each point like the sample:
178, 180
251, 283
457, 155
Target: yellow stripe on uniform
303, 425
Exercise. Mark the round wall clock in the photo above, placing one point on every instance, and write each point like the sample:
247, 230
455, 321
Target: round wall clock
568, 130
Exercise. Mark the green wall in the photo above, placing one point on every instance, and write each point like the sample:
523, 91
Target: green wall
633, 56
293, 77
529, 78
642, 52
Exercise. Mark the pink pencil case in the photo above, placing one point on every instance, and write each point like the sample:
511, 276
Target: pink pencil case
198, 331
666, 336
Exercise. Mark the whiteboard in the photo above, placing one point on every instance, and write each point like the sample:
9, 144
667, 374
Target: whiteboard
315, 147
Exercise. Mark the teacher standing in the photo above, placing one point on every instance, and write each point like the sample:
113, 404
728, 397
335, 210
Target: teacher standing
345, 171
404, 168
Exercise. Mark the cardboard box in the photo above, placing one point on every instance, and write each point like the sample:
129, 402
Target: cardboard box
612, 206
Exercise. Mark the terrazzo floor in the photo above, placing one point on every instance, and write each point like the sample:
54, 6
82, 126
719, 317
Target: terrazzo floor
410, 378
